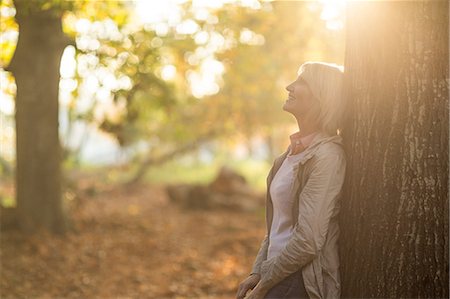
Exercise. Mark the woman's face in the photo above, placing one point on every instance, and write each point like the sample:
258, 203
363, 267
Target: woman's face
301, 101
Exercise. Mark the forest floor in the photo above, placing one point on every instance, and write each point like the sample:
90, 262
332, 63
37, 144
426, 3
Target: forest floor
133, 243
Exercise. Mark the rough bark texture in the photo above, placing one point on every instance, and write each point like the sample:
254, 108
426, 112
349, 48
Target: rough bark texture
35, 65
394, 220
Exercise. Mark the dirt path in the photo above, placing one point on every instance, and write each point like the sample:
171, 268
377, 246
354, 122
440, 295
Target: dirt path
134, 244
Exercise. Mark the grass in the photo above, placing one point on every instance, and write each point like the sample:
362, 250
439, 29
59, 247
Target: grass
184, 170
255, 172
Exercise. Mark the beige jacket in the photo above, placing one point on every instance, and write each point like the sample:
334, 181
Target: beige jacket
314, 243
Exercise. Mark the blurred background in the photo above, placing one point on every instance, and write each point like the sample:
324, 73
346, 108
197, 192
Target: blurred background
168, 117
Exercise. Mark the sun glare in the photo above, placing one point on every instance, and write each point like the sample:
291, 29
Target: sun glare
163, 15
333, 13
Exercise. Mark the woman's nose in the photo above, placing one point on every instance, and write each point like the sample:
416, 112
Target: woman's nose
289, 87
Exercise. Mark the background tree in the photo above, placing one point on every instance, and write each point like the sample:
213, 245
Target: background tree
36, 68
395, 208
35, 65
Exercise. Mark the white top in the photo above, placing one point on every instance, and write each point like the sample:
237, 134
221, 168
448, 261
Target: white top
282, 199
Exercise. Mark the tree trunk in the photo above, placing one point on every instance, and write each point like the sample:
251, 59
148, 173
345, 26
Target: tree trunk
394, 216
35, 66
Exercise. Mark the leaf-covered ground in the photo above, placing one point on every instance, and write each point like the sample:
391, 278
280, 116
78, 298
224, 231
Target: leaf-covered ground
133, 244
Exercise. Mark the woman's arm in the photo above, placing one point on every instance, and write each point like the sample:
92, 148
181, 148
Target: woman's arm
318, 200
261, 256
263, 249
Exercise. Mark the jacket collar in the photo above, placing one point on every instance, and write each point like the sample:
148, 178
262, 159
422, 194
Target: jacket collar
319, 139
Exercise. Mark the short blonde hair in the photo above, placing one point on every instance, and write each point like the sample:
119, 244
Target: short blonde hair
325, 81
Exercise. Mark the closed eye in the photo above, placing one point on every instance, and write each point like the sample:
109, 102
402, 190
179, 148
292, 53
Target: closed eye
301, 81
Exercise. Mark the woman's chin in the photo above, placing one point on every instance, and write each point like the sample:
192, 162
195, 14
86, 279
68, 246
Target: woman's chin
288, 109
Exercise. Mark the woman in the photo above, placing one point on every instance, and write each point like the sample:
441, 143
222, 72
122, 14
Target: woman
298, 257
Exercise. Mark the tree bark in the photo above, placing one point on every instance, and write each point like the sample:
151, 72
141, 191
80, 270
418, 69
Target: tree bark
35, 65
394, 214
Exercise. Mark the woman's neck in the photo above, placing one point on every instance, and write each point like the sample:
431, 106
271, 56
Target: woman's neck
307, 127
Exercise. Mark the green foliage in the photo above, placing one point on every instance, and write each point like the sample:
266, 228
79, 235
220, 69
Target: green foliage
8, 27
7, 201
151, 101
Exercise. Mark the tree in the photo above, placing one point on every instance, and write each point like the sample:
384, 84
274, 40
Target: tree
35, 65
36, 68
394, 219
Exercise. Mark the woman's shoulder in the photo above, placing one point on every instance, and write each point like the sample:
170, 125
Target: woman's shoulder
330, 150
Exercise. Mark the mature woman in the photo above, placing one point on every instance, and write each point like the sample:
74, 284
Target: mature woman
298, 257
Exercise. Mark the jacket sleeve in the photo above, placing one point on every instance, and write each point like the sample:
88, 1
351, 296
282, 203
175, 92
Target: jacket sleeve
317, 202
263, 249
261, 256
